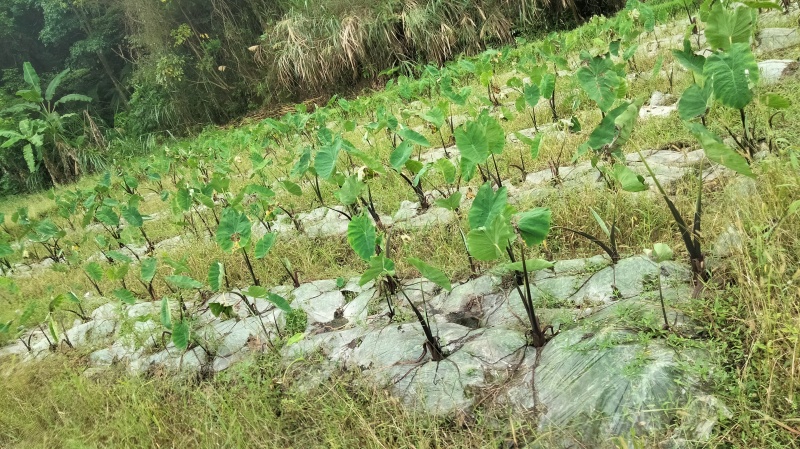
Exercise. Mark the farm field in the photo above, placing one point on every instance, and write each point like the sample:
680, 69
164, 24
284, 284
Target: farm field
585, 240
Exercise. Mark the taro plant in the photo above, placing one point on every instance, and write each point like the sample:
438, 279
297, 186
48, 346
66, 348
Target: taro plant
660, 253
492, 236
365, 241
479, 141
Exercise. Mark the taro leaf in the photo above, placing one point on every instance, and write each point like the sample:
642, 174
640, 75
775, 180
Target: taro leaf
435, 117
662, 252
218, 309
533, 144
400, 155
125, 296
183, 282
490, 242
216, 275
361, 236
301, 166
447, 169
452, 202
530, 264
180, 335
264, 245
94, 271
166, 314
107, 216
409, 135
183, 199
378, 266
371, 162
118, 256
261, 292
325, 162
350, 191
534, 225
279, 301
471, 141
487, 205
233, 231
775, 101
51, 326
292, 188
725, 27
628, 179
532, 95
431, 273
600, 82
733, 72
762, 4
495, 135
718, 152
547, 85
132, 216
694, 101
688, 59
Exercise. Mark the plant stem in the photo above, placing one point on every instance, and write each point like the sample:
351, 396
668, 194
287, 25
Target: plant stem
250, 267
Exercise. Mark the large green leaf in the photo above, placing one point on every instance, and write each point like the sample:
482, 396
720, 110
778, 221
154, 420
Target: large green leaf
533, 144
628, 179
452, 202
490, 242
431, 273
378, 266
233, 231
216, 276
166, 314
183, 282
534, 225
148, 269
94, 271
361, 236
400, 155
72, 97
325, 162
132, 215
51, 88
689, 59
301, 166
183, 199
472, 143
180, 335
694, 101
447, 169
547, 85
725, 27
30, 77
733, 73
125, 296
532, 95
409, 135
486, 205
350, 191
600, 81
264, 245
261, 292
718, 152
27, 154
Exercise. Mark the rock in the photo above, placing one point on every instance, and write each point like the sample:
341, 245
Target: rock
91, 334
771, 39
659, 98
605, 384
108, 311
321, 308
646, 112
409, 217
729, 243
772, 70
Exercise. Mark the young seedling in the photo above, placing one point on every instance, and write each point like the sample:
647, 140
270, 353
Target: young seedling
661, 252
492, 236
